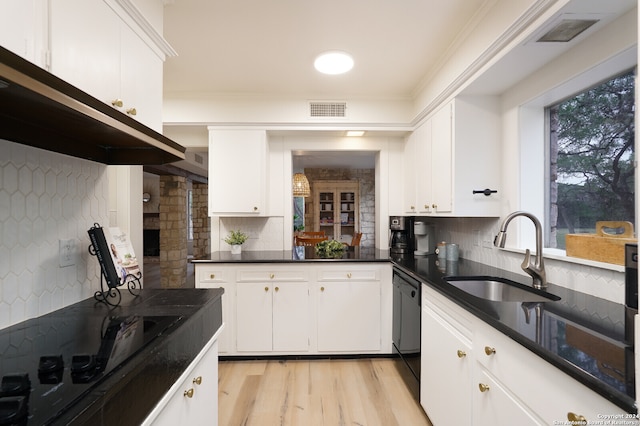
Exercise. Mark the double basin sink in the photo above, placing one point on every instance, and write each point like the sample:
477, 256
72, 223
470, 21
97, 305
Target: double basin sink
498, 289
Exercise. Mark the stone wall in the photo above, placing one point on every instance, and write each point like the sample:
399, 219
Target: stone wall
173, 231
366, 178
200, 217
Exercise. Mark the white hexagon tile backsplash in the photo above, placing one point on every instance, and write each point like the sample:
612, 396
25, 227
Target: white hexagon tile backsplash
46, 197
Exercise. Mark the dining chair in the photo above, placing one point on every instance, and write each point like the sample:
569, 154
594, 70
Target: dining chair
309, 241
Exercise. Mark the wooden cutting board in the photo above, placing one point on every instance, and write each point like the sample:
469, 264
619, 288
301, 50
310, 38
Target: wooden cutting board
603, 246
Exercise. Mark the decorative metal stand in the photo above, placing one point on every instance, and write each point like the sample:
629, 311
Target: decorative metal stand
111, 295
109, 292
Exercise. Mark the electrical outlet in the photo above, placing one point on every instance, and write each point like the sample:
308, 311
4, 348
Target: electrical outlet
66, 253
487, 244
476, 237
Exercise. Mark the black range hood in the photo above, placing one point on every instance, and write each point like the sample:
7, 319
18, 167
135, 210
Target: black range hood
43, 111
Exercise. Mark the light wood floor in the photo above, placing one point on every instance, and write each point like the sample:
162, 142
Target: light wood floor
358, 392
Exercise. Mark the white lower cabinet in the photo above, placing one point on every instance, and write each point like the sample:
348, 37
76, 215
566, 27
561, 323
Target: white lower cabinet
493, 380
303, 308
548, 394
193, 399
348, 316
446, 361
272, 317
212, 277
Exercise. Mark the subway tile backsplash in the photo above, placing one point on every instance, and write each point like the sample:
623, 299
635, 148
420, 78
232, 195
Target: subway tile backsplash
46, 197
469, 234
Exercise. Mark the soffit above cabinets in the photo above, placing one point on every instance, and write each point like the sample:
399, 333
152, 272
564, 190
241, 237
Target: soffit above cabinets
40, 110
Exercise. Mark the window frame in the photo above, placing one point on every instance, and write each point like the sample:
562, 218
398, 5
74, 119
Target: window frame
547, 133
531, 129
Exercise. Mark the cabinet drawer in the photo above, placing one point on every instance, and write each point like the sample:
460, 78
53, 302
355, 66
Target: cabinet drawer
207, 275
249, 276
349, 275
521, 370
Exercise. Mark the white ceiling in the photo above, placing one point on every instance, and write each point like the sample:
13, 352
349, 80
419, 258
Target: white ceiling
259, 47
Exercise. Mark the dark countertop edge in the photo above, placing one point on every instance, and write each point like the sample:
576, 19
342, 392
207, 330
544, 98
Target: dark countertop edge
364, 255
201, 261
616, 397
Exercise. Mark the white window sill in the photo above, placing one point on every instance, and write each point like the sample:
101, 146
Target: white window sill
561, 255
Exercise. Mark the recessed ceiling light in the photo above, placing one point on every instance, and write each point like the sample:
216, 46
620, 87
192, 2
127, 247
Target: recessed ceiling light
355, 132
333, 62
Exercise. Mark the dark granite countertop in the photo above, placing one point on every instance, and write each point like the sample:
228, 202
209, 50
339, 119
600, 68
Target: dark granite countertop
573, 334
580, 334
298, 254
135, 351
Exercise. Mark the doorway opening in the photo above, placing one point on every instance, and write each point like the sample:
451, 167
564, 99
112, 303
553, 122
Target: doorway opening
342, 200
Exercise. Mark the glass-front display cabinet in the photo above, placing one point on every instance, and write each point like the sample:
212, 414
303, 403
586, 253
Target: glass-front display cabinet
336, 209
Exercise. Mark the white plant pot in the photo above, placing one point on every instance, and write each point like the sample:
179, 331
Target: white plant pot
236, 249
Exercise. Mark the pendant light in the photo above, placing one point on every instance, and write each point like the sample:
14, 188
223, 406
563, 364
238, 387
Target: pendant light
301, 185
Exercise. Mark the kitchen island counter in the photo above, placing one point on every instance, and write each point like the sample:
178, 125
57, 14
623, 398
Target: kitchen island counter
114, 363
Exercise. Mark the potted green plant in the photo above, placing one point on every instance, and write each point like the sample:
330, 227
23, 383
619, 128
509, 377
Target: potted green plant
235, 239
329, 249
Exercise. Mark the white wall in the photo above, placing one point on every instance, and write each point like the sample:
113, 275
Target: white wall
46, 197
604, 54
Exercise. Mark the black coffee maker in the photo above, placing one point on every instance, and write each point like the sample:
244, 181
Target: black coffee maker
401, 239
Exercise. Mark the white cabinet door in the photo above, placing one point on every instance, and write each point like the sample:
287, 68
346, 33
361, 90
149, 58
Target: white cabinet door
219, 277
476, 155
409, 166
254, 313
193, 400
348, 316
424, 168
441, 164
141, 80
85, 46
291, 317
237, 172
93, 49
272, 317
446, 367
22, 29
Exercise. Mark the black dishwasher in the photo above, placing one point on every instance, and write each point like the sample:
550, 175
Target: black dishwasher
406, 327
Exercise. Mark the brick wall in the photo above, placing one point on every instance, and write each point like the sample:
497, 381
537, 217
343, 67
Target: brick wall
201, 224
173, 231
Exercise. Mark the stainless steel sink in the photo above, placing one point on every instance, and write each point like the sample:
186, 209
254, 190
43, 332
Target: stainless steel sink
500, 289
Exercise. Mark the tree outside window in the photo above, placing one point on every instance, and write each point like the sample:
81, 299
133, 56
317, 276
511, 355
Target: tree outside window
592, 157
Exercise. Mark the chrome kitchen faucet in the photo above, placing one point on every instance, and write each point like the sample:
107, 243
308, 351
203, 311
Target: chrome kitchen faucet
535, 269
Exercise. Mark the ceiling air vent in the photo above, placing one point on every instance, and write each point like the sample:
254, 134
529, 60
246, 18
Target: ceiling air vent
198, 158
328, 109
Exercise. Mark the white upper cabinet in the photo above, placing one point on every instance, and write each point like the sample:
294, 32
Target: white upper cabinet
22, 30
96, 51
454, 153
237, 172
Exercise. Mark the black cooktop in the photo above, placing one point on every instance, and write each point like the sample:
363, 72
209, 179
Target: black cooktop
49, 363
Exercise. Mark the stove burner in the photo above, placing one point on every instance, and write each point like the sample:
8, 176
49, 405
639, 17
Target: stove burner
83, 368
13, 410
50, 369
50, 363
15, 385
